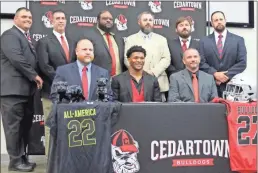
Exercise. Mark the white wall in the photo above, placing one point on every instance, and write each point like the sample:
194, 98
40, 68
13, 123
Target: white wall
250, 36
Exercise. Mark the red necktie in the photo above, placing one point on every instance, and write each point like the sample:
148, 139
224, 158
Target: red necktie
220, 46
112, 53
195, 88
65, 47
184, 46
85, 82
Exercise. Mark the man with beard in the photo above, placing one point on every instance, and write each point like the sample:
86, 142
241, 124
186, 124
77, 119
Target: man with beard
192, 84
178, 45
135, 85
54, 50
157, 52
107, 53
223, 54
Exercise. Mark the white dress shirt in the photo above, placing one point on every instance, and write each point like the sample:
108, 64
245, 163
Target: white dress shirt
58, 36
224, 34
187, 42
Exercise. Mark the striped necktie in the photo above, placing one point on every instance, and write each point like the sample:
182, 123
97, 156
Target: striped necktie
220, 46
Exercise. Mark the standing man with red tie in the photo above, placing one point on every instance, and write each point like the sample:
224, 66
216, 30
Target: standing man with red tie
178, 45
82, 72
192, 84
19, 81
108, 48
223, 54
53, 50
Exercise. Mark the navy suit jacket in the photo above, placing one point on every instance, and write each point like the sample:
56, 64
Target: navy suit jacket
233, 56
70, 73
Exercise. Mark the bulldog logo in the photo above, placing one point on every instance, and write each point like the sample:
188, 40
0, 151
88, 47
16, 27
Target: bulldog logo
47, 18
121, 22
86, 4
155, 6
124, 152
192, 23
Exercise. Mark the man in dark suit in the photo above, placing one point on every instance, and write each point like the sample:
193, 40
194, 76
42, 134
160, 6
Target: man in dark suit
53, 50
82, 72
192, 84
19, 81
178, 45
108, 52
223, 54
136, 85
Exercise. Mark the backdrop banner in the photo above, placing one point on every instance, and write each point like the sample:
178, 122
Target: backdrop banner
82, 17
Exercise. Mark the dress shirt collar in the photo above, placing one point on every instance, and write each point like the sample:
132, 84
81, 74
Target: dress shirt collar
224, 34
188, 39
81, 65
145, 36
103, 32
190, 73
58, 35
21, 29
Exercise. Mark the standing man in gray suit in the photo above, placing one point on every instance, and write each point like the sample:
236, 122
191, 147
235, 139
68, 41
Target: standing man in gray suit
53, 50
19, 81
82, 72
192, 84
223, 54
108, 48
178, 45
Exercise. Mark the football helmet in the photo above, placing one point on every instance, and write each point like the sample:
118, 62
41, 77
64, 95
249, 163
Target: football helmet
241, 88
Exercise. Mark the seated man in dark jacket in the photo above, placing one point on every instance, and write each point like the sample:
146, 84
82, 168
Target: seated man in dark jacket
135, 85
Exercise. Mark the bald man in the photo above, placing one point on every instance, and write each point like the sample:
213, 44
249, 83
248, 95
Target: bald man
192, 84
82, 72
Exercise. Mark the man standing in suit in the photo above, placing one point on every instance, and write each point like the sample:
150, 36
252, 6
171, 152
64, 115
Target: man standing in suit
223, 54
192, 84
53, 50
178, 45
82, 72
157, 51
135, 85
107, 53
19, 81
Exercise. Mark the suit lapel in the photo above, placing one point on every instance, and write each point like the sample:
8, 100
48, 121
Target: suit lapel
187, 78
127, 79
94, 75
102, 38
71, 47
227, 41
76, 77
57, 43
145, 86
214, 45
179, 47
200, 82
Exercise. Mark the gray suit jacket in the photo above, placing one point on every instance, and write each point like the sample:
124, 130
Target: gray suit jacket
18, 64
233, 59
70, 73
122, 90
177, 54
181, 89
102, 56
51, 55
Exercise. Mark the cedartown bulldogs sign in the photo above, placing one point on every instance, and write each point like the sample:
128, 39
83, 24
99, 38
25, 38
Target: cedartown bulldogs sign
81, 17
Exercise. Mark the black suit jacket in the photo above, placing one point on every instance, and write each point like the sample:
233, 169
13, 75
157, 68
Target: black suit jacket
102, 56
70, 73
177, 54
51, 55
233, 56
18, 64
122, 91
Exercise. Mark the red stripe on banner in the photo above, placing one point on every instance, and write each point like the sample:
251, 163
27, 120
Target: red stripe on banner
187, 9
158, 26
42, 123
192, 162
48, 3
85, 24
120, 6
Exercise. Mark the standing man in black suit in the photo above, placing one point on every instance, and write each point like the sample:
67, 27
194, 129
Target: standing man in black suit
136, 85
178, 45
106, 51
53, 50
223, 54
19, 81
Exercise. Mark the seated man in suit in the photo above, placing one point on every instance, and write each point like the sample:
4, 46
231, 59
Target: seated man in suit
192, 84
136, 85
82, 72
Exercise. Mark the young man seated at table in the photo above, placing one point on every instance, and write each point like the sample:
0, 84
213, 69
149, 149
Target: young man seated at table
192, 84
135, 85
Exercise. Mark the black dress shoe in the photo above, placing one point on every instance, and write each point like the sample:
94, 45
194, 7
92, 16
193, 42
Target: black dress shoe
26, 161
21, 168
